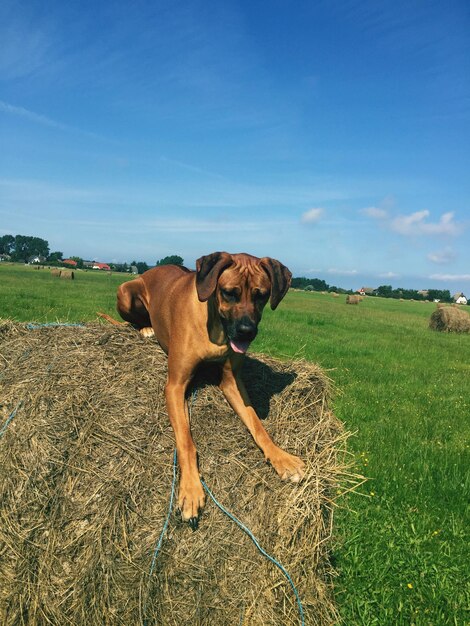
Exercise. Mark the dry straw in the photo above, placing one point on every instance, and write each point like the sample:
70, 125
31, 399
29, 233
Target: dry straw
86, 469
450, 319
353, 299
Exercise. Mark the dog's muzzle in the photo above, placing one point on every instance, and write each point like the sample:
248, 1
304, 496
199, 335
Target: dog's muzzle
241, 333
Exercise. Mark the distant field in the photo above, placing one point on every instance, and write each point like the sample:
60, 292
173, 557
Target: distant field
29, 294
402, 546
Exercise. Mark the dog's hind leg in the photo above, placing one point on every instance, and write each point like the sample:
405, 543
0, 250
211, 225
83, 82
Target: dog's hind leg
131, 307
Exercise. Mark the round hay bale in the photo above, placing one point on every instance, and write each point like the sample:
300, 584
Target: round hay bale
55, 272
353, 299
450, 319
67, 274
85, 476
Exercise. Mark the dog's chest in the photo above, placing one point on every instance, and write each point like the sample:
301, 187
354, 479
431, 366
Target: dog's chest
216, 353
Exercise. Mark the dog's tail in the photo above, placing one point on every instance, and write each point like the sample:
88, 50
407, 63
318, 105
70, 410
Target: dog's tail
111, 320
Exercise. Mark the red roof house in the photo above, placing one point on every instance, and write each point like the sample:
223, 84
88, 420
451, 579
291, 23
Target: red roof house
101, 266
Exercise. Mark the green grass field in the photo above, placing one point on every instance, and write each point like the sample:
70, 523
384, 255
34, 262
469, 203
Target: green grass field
401, 546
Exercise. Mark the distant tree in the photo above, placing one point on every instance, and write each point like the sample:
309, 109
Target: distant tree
385, 291
439, 294
7, 244
26, 246
119, 267
141, 266
315, 283
55, 256
174, 259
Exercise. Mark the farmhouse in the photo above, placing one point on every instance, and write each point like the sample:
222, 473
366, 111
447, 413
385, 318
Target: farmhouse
5, 257
366, 291
70, 262
36, 258
459, 298
101, 266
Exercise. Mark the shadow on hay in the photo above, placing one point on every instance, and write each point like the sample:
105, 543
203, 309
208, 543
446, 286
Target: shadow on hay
261, 380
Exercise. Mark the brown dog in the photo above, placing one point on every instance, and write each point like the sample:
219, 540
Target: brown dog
208, 315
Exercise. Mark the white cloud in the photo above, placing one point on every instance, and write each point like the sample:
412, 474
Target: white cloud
374, 212
416, 224
456, 277
342, 272
311, 216
442, 256
389, 275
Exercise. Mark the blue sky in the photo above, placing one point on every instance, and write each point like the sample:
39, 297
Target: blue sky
333, 136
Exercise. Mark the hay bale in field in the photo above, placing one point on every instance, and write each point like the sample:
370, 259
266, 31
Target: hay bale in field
353, 299
67, 274
450, 319
55, 272
334, 294
85, 476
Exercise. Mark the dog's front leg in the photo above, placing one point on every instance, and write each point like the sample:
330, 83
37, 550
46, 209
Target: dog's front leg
288, 466
191, 493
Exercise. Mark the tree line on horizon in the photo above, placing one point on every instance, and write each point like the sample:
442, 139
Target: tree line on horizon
20, 248
383, 291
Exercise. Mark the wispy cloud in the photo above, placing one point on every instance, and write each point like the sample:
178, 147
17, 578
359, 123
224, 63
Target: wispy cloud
389, 275
416, 224
38, 118
441, 257
191, 168
450, 277
208, 226
374, 212
31, 116
312, 216
342, 272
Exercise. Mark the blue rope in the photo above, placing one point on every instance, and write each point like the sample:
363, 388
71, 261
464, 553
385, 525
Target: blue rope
263, 552
165, 525
160, 539
51, 324
9, 418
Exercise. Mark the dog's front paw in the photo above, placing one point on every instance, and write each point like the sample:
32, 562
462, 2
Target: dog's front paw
147, 332
191, 500
288, 466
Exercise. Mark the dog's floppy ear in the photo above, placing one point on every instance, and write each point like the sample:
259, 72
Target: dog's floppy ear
208, 270
280, 279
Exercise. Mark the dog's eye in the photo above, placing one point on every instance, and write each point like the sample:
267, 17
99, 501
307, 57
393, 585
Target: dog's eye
261, 295
229, 295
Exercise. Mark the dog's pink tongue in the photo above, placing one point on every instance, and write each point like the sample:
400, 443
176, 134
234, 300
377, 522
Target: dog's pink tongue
239, 346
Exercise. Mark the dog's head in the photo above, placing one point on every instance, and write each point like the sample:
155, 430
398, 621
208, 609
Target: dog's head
241, 285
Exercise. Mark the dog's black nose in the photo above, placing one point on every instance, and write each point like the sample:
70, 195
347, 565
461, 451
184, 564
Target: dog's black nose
246, 330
